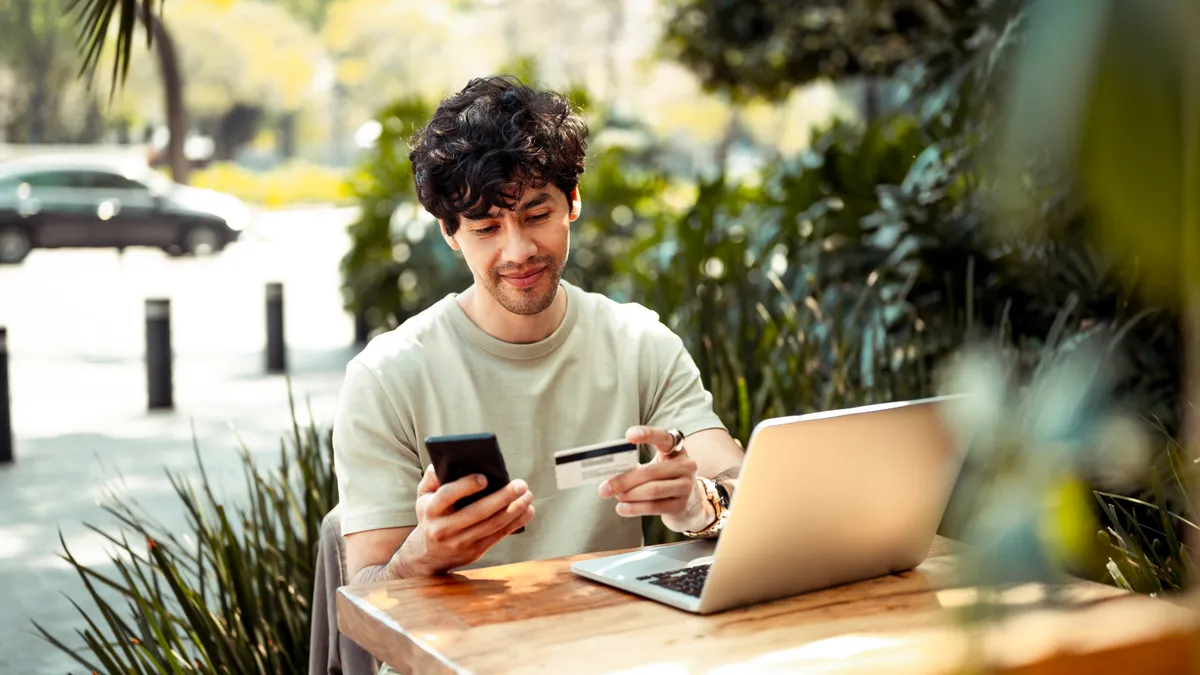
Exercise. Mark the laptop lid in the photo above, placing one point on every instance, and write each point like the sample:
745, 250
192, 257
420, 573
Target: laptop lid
834, 497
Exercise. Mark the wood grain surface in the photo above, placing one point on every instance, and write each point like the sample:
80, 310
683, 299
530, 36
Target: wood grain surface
539, 617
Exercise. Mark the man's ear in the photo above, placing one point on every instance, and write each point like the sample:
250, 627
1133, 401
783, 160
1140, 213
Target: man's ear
450, 240
575, 202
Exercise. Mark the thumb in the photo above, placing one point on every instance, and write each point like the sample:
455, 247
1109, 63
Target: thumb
429, 482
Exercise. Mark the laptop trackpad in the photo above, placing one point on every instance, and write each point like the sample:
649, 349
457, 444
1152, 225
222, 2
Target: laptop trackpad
691, 553
636, 564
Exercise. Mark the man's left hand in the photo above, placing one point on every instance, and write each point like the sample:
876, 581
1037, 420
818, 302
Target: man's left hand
665, 487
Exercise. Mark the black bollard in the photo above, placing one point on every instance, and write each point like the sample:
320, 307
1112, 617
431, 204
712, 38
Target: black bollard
276, 354
158, 354
6, 437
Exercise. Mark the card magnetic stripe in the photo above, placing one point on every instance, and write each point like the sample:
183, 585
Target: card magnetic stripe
595, 452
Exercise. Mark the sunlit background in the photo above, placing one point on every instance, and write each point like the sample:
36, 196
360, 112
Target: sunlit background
290, 87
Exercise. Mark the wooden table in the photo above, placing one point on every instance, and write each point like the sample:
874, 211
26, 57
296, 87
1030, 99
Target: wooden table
538, 617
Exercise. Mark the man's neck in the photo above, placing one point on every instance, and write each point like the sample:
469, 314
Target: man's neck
483, 310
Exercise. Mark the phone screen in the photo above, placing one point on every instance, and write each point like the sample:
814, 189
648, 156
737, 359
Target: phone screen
454, 457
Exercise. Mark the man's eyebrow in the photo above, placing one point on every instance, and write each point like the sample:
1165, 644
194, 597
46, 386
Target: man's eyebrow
536, 201
532, 203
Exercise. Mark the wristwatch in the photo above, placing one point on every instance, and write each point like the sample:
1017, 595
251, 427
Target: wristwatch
718, 496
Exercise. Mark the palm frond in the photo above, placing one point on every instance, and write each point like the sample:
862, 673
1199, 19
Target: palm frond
103, 20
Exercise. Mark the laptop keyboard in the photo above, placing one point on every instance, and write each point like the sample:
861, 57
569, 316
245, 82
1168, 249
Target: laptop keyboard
689, 580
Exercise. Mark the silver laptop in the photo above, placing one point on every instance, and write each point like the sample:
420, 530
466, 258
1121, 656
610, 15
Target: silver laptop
823, 499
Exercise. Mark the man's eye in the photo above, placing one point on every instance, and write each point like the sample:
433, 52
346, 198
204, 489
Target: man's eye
538, 217
486, 230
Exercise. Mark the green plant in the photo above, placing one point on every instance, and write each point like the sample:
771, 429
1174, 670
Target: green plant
231, 595
393, 235
785, 303
1147, 542
766, 48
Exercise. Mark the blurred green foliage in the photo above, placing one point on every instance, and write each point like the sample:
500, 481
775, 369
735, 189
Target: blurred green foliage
1118, 128
384, 243
1100, 145
765, 48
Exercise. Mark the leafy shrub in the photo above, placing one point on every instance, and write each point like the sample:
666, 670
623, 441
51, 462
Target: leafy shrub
758, 282
233, 594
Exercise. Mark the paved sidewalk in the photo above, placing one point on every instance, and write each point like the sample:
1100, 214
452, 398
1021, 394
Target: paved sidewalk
78, 386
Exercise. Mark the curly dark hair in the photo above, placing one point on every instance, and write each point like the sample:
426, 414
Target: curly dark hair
487, 143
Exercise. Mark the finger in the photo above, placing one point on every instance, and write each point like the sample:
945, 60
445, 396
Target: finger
658, 489
429, 482
492, 504
678, 466
448, 494
522, 521
654, 508
655, 436
498, 522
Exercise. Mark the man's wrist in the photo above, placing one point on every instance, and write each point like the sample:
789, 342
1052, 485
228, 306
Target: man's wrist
403, 566
706, 514
718, 505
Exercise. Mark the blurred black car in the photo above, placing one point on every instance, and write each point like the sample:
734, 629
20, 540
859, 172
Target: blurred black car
93, 202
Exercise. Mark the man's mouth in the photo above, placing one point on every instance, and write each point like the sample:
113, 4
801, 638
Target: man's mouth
524, 279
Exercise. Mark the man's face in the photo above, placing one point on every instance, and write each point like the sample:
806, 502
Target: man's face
518, 255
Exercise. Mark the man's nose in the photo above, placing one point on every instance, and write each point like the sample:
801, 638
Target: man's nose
518, 246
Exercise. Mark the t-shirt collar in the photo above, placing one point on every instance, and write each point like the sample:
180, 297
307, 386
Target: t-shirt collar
509, 350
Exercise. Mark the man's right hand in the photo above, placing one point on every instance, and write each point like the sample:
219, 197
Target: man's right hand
444, 538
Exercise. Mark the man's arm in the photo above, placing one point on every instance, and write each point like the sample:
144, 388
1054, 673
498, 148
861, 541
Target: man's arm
443, 537
370, 554
378, 470
675, 398
667, 486
717, 455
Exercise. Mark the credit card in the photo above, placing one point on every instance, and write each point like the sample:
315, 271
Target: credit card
591, 464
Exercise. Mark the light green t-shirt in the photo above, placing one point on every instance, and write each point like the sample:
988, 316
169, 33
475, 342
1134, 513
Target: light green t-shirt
607, 367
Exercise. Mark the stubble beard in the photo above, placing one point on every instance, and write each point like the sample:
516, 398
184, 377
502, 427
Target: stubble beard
532, 300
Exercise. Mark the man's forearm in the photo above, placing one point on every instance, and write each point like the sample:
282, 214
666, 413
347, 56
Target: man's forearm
392, 570
729, 477
728, 474
373, 573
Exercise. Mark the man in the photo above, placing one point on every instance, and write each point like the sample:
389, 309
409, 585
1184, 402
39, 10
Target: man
538, 362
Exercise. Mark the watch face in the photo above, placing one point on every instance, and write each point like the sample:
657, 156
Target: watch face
724, 494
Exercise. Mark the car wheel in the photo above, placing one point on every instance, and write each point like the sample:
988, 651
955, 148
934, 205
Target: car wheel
202, 240
15, 244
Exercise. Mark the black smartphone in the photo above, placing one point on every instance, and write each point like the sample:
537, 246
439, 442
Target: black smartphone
454, 457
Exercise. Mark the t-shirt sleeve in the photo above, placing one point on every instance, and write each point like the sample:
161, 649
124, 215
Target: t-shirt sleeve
678, 399
377, 465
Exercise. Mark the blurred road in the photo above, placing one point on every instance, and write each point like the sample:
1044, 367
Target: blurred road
76, 329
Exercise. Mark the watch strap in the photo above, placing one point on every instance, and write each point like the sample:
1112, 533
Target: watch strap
719, 507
